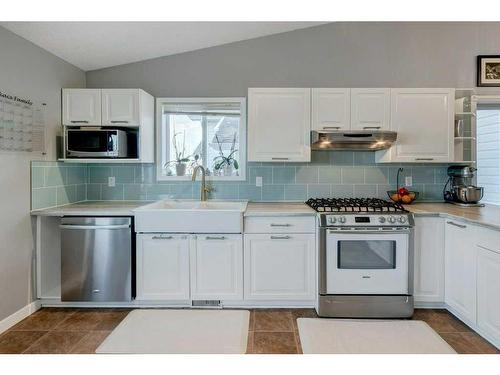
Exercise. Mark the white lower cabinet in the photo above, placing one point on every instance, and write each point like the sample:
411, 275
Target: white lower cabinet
429, 260
279, 267
460, 266
217, 267
162, 267
488, 293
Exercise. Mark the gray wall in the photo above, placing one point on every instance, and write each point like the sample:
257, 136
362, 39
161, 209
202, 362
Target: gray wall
332, 55
28, 71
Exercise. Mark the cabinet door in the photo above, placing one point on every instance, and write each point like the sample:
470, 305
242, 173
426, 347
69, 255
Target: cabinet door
279, 124
370, 109
423, 119
162, 267
460, 266
280, 267
120, 107
217, 267
331, 109
488, 292
429, 259
81, 107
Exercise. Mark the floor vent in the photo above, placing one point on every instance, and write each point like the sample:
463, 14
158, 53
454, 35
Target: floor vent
207, 303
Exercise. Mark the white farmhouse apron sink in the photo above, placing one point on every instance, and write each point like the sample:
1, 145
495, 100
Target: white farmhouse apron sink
187, 216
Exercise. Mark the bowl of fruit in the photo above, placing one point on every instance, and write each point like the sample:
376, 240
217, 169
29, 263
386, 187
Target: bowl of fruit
402, 195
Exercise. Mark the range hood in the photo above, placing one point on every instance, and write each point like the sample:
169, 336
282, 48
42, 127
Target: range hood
355, 140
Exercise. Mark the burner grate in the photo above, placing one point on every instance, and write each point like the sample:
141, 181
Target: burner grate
354, 205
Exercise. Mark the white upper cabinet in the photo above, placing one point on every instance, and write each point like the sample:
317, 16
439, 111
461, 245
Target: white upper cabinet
331, 109
370, 109
120, 107
429, 260
81, 107
423, 119
217, 267
460, 265
279, 124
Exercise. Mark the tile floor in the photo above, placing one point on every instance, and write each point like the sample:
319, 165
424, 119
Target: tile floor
57, 330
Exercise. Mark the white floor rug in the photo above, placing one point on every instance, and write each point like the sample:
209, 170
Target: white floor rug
342, 336
179, 332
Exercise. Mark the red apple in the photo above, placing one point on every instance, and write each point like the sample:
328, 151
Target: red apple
403, 191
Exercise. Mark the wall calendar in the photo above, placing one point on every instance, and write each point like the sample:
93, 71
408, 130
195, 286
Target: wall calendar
22, 124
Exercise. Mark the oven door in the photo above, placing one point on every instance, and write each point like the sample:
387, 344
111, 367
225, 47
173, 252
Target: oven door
91, 143
367, 262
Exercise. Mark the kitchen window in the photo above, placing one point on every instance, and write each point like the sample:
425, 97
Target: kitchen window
201, 131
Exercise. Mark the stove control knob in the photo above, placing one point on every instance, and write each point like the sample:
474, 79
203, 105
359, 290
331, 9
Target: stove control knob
332, 219
402, 219
391, 219
381, 220
342, 220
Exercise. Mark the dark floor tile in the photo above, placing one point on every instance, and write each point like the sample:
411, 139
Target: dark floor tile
444, 322
90, 342
299, 344
15, 342
273, 320
251, 322
81, 320
109, 320
56, 342
250, 343
481, 345
43, 320
274, 343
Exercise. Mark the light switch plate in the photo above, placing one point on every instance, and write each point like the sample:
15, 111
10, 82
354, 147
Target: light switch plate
111, 182
408, 181
258, 181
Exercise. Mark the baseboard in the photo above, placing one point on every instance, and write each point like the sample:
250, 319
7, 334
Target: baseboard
19, 315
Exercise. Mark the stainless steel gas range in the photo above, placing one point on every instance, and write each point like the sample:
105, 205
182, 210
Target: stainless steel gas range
365, 258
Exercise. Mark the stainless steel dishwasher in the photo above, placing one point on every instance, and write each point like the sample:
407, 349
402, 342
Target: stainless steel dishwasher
96, 259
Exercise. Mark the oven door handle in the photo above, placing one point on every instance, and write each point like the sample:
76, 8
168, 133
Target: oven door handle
403, 231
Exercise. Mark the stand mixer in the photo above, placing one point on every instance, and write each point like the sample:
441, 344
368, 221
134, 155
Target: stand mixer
461, 191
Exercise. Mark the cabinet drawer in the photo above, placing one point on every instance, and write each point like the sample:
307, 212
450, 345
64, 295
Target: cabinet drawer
280, 224
488, 238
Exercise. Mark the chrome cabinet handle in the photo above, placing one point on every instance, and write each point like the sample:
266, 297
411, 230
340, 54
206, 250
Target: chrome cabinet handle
371, 127
280, 158
215, 238
456, 225
119, 122
332, 127
280, 237
428, 159
163, 237
280, 225
79, 122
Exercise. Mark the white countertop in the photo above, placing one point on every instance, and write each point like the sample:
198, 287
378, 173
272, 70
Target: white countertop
125, 208
489, 215
93, 208
278, 208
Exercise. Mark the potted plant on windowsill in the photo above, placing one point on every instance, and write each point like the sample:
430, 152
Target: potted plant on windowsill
181, 160
226, 163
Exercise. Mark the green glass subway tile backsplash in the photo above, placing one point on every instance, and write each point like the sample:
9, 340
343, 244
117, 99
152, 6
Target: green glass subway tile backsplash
56, 184
330, 174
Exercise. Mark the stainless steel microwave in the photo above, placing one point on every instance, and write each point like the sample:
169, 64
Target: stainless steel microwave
96, 143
